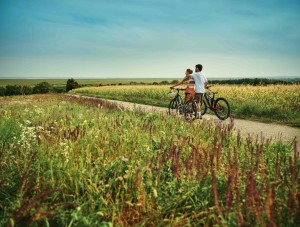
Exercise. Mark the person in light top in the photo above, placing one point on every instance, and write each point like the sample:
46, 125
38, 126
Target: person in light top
190, 84
200, 84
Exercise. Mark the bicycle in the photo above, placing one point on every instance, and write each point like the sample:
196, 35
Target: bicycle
177, 106
220, 106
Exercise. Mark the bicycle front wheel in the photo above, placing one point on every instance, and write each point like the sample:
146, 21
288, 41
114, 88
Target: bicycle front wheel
222, 108
173, 108
190, 110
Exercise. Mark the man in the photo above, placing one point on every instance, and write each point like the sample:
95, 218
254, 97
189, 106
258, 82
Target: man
201, 84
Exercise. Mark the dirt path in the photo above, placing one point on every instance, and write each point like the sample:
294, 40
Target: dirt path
246, 127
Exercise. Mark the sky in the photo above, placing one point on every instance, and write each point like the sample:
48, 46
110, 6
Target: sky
149, 38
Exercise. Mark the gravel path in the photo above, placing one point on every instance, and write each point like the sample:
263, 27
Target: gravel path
246, 127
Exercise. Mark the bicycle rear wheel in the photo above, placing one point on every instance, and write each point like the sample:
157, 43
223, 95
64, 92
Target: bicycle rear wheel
173, 108
190, 110
222, 108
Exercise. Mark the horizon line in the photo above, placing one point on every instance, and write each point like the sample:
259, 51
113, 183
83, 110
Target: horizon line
135, 78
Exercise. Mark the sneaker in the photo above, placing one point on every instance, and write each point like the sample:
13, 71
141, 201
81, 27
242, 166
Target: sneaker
199, 117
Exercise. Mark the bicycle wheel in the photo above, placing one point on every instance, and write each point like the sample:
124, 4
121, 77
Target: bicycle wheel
180, 103
173, 108
203, 107
190, 110
222, 108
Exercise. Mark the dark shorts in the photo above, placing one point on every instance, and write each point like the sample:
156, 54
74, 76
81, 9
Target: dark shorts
199, 97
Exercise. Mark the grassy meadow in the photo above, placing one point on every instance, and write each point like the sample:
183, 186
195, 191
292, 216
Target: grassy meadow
273, 103
69, 161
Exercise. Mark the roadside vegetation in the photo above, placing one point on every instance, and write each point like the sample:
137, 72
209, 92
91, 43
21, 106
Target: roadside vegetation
69, 161
272, 103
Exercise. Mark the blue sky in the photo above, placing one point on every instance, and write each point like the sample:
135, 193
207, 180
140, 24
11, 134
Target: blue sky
149, 38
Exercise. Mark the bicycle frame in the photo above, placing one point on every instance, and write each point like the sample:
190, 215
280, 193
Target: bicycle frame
210, 100
178, 97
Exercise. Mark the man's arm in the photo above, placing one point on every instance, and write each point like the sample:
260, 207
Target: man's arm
206, 83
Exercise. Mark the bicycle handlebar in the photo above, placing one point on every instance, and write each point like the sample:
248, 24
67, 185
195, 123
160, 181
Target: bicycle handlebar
178, 89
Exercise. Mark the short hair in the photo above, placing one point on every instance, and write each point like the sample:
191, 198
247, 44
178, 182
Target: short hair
200, 67
189, 71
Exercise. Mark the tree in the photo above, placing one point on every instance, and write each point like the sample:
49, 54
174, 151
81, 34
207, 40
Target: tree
42, 88
2, 91
164, 82
13, 90
59, 89
175, 82
26, 90
71, 84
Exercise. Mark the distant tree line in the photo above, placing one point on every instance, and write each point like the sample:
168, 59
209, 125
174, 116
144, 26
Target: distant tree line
254, 82
245, 81
40, 88
164, 82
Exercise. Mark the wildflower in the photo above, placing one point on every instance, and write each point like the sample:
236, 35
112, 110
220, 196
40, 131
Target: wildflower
27, 122
41, 128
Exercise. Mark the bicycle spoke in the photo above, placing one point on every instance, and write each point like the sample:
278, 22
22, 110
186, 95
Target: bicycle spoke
190, 110
222, 108
173, 108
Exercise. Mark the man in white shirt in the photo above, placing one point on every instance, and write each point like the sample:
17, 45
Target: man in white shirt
200, 84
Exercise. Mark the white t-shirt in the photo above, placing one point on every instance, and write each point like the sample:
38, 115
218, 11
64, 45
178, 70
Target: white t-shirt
200, 80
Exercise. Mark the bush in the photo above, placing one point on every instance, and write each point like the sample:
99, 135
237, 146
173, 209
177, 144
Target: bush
42, 88
26, 90
59, 89
2, 91
71, 84
13, 90
165, 82
175, 82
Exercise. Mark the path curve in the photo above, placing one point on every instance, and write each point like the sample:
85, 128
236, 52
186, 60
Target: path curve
246, 127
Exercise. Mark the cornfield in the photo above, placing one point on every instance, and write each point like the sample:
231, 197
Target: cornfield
69, 161
274, 103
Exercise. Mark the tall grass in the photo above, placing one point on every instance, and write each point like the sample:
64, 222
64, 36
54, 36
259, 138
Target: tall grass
76, 162
274, 103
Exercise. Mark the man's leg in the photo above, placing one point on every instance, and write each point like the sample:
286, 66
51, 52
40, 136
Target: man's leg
198, 101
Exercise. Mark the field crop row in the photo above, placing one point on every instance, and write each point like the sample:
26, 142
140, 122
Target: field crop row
69, 161
274, 103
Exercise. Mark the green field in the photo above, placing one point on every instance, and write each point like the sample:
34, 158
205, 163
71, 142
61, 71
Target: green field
273, 103
96, 82
76, 162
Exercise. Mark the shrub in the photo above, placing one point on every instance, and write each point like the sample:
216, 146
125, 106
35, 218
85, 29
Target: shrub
26, 90
42, 88
13, 90
175, 82
2, 91
164, 82
59, 89
71, 84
